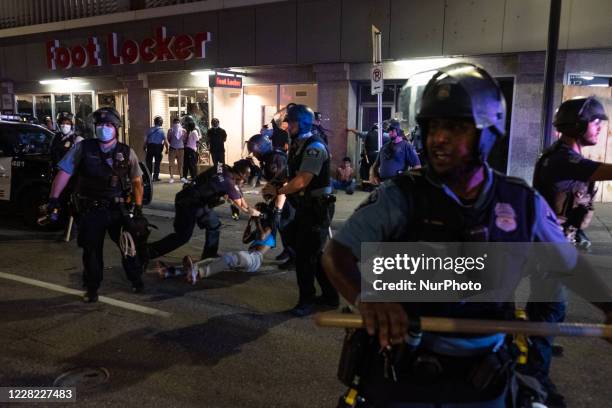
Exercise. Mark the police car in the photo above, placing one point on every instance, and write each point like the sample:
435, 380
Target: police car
26, 169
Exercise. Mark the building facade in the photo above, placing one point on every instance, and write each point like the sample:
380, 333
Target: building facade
159, 61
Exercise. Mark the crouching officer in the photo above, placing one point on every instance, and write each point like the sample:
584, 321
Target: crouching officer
309, 190
567, 181
195, 203
273, 161
457, 198
108, 176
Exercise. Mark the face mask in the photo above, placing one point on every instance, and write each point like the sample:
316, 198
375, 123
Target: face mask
104, 133
65, 129
176, 128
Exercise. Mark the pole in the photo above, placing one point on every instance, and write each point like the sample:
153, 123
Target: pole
377, 60
447, 325
550, 69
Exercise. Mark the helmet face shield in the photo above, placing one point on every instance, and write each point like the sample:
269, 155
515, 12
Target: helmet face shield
459, 91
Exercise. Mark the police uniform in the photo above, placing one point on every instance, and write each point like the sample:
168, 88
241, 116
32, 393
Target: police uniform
417, 207
103, 183
194, 205
61, 144
314, 212
154, 141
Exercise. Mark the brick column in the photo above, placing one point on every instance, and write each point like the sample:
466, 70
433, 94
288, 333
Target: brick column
139, 111
335, 100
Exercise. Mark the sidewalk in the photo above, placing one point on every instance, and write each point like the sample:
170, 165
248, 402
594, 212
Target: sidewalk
163, 206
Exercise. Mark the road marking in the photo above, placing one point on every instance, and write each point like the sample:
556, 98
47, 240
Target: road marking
104, 299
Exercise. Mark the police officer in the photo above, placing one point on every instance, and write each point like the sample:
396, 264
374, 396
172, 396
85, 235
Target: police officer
64, 138
274, 167
369, 151
567, 181
155, 142
396, 156
107, 176
457, 198
194, 205
309, 189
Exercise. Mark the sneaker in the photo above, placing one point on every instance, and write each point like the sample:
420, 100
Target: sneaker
171, 181
137, 287
184, 180
302, 309
191, 271
283, 256
91, 296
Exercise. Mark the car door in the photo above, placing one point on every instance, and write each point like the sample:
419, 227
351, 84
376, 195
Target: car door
7, 148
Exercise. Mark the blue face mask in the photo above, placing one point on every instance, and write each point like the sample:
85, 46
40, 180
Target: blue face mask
104, 133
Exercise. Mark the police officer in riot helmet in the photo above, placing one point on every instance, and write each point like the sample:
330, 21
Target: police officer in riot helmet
566, 180
457, 198
65, 137
273, 162
109, 192
195, 203
309, 190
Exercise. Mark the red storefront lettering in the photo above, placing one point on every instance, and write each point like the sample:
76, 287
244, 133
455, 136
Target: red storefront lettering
159, 48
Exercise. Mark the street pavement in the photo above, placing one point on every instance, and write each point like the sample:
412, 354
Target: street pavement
225, 342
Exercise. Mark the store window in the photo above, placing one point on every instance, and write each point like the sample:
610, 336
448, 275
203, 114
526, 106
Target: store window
62, 103
194, 102
42, 107
83, 107
25, 104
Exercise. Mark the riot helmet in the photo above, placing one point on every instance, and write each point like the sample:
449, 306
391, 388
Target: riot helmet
462, 91
574, 115
302, 115
107, 115
62, 116
259, 145
318, 116
158, 120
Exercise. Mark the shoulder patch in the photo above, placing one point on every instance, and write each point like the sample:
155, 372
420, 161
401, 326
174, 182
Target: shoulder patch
313, 152
371, 199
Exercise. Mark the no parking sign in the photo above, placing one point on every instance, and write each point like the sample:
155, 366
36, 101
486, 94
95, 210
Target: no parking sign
377, 79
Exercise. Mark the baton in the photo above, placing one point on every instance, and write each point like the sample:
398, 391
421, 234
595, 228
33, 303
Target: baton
69, 229
478, 326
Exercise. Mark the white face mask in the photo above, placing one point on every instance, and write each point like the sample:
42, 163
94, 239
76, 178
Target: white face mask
65, 129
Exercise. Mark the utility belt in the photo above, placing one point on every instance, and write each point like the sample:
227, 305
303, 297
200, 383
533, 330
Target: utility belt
85, 204
407, 373
320, 207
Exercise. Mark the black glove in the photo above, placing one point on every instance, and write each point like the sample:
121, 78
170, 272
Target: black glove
138, 210
278, 212
53, 204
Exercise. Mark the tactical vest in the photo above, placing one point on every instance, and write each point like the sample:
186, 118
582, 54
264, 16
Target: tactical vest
59, 147
508, 216
319, 181
97, 180
202, 192
270, 170
574, 206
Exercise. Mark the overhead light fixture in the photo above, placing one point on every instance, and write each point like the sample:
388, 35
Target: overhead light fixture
206, 72
64, 81
587, 77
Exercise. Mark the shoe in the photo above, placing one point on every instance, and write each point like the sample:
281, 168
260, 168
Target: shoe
137, 286
283, 256
349, 191
302, 309
91, 296
235, 216
554, 398
191, 271
184, 180
287, 265
327, 302
171, 181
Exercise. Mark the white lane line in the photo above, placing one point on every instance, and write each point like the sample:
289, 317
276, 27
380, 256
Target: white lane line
103, 299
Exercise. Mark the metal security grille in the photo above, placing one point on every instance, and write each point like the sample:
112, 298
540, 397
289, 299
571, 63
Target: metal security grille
162, 3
